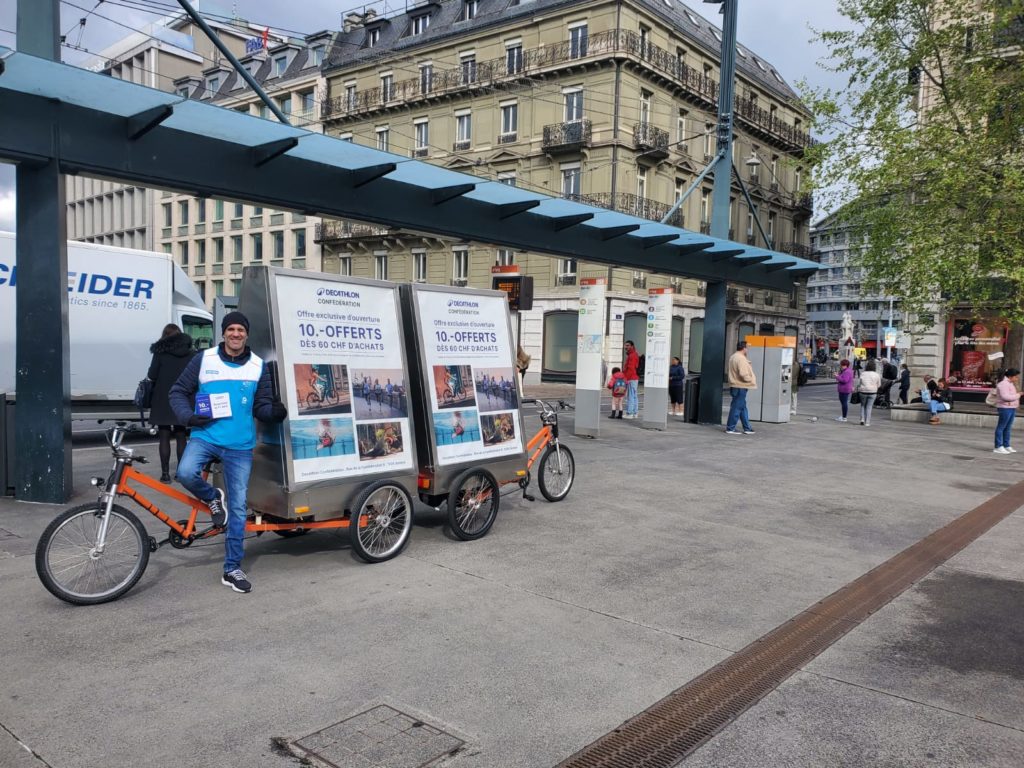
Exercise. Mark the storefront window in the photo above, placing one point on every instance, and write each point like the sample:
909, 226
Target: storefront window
678, 329
560, 330
970, 347
633, 329
696, 345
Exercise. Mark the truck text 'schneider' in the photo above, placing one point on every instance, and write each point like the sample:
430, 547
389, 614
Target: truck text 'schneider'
119, 300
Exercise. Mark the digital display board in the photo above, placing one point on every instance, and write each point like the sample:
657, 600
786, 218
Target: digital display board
518, 288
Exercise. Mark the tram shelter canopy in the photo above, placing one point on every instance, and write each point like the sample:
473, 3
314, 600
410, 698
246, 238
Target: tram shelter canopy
100, 126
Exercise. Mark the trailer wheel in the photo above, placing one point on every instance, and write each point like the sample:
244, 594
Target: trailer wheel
381, 521
473, 504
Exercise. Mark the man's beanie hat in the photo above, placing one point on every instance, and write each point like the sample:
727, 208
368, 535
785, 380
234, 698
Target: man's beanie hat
234, 318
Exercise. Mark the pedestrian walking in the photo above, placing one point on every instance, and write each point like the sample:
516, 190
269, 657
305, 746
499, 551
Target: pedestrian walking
631, 372
617, 385
228, 434
941, 401
870, 381
904, 383
1007, 402
844, 385
171, 353
676, 377
741, 380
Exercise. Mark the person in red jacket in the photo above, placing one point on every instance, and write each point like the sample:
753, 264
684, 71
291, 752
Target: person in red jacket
631, 372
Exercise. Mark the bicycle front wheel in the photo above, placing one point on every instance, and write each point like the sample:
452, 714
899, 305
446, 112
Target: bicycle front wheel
556, 472
70, 565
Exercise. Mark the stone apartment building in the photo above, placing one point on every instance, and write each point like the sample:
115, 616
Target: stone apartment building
609, 103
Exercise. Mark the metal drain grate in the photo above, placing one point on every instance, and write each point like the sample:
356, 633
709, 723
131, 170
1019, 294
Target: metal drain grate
680, 723
381, 737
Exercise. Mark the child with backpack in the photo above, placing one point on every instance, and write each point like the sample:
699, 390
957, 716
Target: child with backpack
617, 384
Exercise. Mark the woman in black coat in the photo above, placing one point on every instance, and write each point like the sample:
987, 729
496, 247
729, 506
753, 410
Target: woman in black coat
171, 353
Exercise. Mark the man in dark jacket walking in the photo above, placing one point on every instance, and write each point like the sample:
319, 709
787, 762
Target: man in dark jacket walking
230, 384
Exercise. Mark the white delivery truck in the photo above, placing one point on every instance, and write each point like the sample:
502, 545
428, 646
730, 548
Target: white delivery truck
119, 300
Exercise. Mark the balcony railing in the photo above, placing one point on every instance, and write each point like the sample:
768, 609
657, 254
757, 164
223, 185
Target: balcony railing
634, 205
804, 205
798, 249
650, 141
565, 280
567, 137
329, 231
693, 83
705, 227
732, 297
461, 146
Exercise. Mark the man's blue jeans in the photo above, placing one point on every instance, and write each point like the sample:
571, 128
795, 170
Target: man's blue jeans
632, 402
1004, 426
738, 409
236, 466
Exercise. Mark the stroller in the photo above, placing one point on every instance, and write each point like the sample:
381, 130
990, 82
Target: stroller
884, 399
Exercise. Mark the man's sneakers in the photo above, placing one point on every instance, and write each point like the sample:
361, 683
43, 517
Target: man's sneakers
236, 580
219, 512
749, 432
1009, 449
731, 432
1000, 449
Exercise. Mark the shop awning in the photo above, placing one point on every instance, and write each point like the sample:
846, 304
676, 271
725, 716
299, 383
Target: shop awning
96, 125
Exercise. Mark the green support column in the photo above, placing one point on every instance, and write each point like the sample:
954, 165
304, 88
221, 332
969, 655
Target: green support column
42, 420
712, 360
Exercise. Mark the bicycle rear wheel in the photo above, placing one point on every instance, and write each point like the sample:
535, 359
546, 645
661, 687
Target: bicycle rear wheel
556, 472
473, 504
69, 565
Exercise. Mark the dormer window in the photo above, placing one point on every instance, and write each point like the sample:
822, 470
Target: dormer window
280, 65
213, 84
318, 55
420, 23
469, 8
372, 37
183, 92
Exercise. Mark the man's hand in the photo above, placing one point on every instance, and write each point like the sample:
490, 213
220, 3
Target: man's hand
198, 421
278, 412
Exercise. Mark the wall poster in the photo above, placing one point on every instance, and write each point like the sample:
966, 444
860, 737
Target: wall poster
974, 352
342, 379
471, 379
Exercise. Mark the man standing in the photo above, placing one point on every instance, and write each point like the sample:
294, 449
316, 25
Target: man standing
237, 385
741, 379
631, 372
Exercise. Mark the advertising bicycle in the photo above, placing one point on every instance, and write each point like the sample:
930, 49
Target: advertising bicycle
393, 392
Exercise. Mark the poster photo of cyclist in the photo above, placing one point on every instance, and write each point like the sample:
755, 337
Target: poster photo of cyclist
322, 388
453, 386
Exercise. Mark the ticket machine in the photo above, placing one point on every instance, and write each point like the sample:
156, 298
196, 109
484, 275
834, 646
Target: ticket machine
772, 358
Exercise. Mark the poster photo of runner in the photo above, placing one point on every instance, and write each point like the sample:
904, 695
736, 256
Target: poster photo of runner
322, 438
379, 393
322, 388
495, 389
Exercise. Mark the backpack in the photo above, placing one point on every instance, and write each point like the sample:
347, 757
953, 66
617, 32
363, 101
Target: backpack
618, 387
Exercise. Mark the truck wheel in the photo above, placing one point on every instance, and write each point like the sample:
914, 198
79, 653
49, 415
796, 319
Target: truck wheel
381, 521
69, 566
473, 504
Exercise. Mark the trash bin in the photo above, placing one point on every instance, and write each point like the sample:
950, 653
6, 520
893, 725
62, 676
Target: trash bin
691, 397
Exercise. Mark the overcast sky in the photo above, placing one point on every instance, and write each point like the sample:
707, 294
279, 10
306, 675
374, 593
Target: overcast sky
777, 30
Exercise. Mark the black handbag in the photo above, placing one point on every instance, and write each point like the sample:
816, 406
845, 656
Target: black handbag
855, 398
143, 394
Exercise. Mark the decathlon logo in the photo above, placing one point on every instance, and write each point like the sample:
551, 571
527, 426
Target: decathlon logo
462, 303
337, 292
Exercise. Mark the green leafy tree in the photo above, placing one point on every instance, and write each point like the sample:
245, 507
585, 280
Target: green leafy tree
926, 155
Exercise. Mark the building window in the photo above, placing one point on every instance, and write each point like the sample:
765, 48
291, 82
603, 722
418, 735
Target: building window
200, 252
419, 266
560, 344
350, 96
200, 211
641, 182
387, 87
346, 137
645, 42
507, 177
218, 250
372, 37
183, 254
422, 138
384, 138
318, 55
460, 266
239, 210
380, 261
236, 287
280, 65
467, 63
463, 130
509, 119
167, 214
505, 257
284, 105
218, 210
307, 99
213, 85
578, 41
277, 239
709, 140
426, 78
771, 226
469, 8
571, 180
183, 212
705, 208
681, 136
645, 106
420, 23
300, 243
257, 246
218, 287
513, 58
797, 179
236, 248
573, 105
345, 266
566, 272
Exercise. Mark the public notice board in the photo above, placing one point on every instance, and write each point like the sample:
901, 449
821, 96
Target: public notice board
470, 375
659, 337
344, 381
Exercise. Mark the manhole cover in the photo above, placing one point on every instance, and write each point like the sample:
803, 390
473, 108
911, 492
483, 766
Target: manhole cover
381, 737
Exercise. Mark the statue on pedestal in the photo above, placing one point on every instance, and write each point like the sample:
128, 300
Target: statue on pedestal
846, 339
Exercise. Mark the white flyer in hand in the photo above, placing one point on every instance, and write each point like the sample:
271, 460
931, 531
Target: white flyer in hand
220, 405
